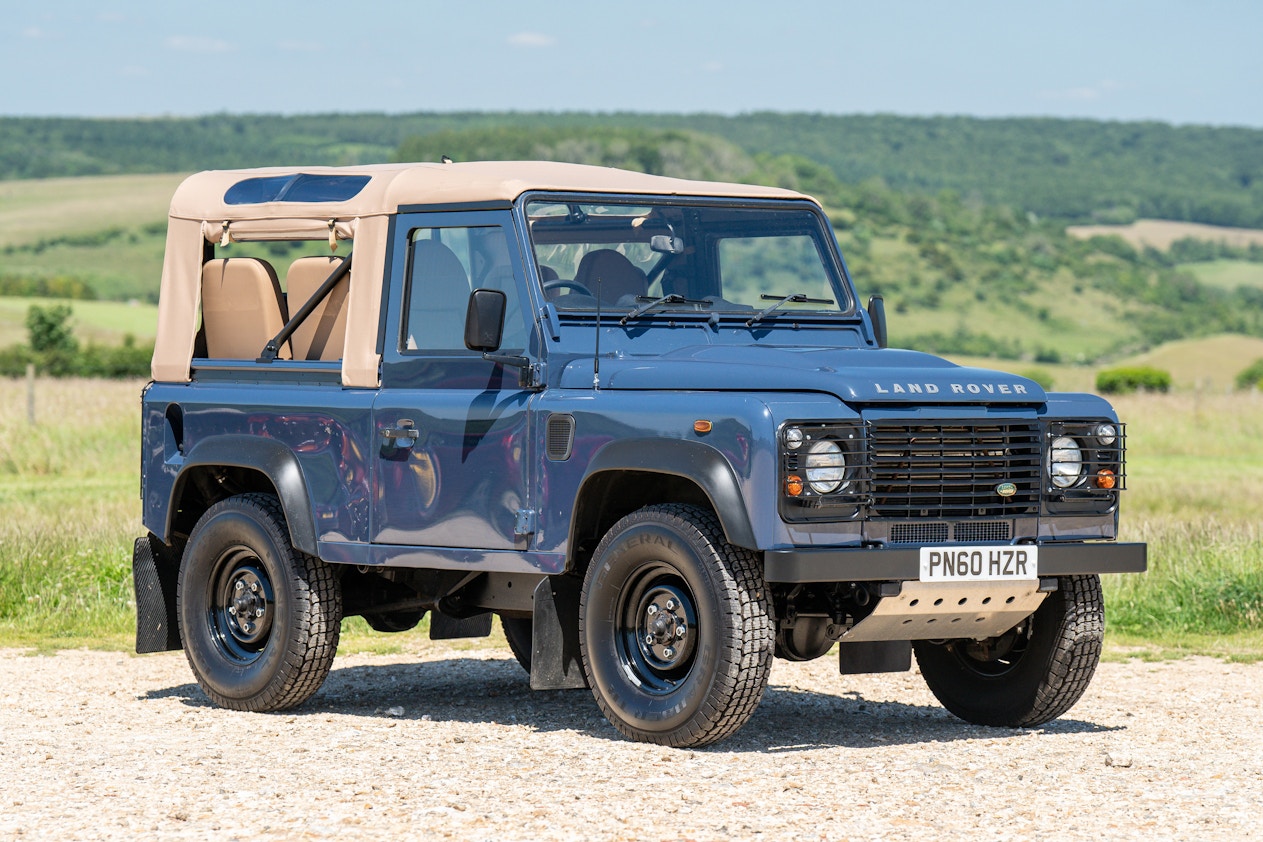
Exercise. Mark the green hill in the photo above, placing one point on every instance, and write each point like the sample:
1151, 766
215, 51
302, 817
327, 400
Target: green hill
1069, 169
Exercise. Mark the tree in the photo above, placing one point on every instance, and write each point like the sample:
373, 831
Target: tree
49, 329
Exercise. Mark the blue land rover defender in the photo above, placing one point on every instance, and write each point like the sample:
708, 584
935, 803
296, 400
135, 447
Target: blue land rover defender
645, 421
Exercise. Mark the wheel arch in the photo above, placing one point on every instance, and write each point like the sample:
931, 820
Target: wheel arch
223, 466
628, 474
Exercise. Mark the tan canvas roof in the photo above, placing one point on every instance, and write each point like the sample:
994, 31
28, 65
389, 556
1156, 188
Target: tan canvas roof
200, 214
201, 196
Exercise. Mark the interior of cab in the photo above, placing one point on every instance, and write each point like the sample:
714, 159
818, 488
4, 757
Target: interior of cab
245, 304
706, 258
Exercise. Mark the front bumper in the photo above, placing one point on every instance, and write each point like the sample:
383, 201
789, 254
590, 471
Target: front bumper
882, 564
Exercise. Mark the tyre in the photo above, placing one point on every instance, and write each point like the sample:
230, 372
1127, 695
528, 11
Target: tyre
519, 631
1029, 675
259, 620
675, 628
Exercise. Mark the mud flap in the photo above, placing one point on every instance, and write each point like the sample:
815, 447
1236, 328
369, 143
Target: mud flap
445, 627
155, 572
555, 660
863, 656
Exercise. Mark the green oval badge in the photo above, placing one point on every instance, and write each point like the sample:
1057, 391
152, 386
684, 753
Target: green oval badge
1006, 489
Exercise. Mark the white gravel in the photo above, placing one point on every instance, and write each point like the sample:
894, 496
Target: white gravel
452, 744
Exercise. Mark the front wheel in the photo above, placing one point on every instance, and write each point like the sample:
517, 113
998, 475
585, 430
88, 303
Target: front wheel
259, 620
1030, 675
675, 628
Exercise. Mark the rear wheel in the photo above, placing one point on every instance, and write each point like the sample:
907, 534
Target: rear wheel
1030, 675
259, 620
519, 631
675, 628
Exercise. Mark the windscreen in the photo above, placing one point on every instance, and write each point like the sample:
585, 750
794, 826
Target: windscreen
705, 258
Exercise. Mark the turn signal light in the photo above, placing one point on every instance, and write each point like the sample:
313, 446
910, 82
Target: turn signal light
702, 426
793, 485
1106, 479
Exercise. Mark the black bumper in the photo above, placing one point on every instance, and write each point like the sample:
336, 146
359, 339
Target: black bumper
872, 564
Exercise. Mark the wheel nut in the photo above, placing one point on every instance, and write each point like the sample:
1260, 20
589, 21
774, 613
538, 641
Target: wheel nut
652, 609
240, 585
680, 631
254, 587
649, 640
232, 609
668, 652
258, 612
247, 627
670, 604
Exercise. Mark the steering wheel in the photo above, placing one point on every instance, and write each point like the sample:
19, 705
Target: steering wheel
573, 286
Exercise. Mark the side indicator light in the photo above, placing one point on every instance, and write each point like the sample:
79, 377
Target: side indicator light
702, 426
793, 485
1106, 479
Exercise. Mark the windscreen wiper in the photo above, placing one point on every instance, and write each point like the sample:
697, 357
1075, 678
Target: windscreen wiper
650, 303
795, 298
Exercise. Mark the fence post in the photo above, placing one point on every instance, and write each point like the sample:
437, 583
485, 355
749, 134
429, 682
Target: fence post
30, 393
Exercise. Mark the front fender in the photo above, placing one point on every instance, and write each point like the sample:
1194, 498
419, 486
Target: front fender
700, 463
266, 456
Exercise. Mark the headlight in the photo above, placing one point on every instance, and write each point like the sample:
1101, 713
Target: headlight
825, 466
1106, 434
1065, 462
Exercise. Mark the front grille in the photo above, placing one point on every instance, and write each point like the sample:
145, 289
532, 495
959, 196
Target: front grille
953, 470
982, 530
918, 533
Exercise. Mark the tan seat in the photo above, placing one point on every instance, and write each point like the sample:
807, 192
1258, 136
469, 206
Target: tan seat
618, 277
322, 334
242, 307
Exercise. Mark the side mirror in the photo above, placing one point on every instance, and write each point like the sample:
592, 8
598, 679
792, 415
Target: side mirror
877, 315
484, 320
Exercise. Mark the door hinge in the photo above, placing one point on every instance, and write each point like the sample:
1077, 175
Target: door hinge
524, 522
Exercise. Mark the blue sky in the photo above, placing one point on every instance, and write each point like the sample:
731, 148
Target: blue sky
1179, 62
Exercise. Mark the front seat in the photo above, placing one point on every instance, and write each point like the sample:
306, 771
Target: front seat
617, 276
438, 298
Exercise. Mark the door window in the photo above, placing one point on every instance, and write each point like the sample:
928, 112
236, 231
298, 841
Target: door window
445, 265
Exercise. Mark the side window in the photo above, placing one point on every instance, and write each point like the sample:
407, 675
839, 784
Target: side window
445, 265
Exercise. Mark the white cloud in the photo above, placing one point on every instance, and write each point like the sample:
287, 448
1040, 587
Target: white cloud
534, 40
33, 32
197, 44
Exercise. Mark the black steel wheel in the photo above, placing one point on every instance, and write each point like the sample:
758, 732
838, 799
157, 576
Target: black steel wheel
519, 632
1029, 675
259, 620
675, 628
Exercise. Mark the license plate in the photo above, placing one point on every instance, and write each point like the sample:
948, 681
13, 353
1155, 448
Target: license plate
979, 564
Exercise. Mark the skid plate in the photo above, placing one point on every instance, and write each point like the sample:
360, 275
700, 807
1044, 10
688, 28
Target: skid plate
944, 610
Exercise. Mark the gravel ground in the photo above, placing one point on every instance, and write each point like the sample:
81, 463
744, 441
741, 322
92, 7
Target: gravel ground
444, 743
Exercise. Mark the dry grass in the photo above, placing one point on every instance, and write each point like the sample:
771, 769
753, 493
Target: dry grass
1161, 233
38, 209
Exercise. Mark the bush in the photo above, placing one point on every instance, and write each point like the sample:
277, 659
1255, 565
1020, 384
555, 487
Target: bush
1122, 381
1251, 377
1042, 376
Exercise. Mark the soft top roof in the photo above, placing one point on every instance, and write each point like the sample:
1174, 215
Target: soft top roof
390, 186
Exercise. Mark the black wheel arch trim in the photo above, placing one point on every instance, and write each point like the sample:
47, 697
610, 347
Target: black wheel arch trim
270, 458
700, 463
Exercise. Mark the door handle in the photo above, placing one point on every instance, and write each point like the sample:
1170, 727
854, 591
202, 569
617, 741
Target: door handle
403, 434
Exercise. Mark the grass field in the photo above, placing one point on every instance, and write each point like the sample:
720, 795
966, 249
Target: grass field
44, 209
101, 322
1227, 274
1161, 233
69, 511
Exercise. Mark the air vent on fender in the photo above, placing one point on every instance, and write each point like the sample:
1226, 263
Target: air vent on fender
560, 437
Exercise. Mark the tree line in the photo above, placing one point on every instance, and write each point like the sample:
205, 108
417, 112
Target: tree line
1071, 170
